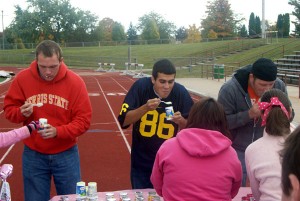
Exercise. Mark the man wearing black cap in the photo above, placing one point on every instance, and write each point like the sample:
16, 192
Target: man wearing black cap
239, 97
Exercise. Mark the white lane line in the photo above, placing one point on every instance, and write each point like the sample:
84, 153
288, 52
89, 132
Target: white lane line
115, 118
119, 84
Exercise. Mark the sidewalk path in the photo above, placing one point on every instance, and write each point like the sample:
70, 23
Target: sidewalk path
211, 88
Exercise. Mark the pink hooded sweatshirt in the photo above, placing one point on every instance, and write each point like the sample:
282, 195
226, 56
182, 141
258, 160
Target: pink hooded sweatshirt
10, 137
197, 165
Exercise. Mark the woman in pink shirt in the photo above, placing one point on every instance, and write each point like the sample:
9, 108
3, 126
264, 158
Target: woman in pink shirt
10, 137
199, 163
261, 156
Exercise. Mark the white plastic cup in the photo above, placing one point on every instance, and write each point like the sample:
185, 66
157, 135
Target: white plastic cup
80, 189
92, 190
169, 112
43, 123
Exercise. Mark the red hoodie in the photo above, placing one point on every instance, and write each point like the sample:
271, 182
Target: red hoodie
66, 105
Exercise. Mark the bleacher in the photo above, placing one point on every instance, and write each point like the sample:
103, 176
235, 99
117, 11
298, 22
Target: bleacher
289, 68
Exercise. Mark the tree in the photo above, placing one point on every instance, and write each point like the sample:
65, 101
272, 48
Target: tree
279, 25
258, 29
50, 19
193, 34
220, 19
286, 25
83, 28
159, 28
132, 34
181, 34
104, 29
118, 33
150, 31
243, 31
212, 34
296, 13
283, 25
252, 26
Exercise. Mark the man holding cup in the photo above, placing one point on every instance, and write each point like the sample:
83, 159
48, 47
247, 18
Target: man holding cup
61, 98
157, 108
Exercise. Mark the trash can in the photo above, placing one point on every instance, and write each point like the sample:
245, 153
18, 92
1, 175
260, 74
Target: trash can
218, 71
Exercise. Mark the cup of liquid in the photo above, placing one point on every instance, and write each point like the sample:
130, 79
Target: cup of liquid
169, 112
43, 123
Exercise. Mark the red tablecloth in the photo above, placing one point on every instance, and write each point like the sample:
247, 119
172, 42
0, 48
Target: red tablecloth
131, 193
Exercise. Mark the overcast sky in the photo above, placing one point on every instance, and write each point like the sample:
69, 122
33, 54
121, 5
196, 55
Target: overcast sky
181, 13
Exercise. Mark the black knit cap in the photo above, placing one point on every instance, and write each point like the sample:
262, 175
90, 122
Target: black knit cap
264, 69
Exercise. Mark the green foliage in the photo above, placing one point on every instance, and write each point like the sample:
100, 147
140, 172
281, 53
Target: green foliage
150, 31
283, 25
220, 19
104, 29
132, 34
157, 27
20, 44
193, 34
118, 33
212, 34
279, 25
252, 26
50, 19
286, 25
243, 31
296, 13
257, 25
181, 34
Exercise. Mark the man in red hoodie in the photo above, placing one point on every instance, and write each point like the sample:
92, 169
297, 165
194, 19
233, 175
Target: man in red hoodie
66, 105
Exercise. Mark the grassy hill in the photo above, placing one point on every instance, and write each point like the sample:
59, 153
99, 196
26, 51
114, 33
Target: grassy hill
230, 52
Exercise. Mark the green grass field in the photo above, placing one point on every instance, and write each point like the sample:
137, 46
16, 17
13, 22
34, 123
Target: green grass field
234, 53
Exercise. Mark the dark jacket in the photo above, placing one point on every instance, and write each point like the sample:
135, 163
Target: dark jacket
235, 99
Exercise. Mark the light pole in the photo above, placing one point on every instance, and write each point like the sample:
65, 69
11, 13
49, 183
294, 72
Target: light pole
2, 32
263, 23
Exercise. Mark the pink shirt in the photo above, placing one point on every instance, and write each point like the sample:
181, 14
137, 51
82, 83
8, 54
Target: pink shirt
10, 137
197, 165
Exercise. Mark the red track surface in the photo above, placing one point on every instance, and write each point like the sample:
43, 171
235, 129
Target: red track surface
104, 148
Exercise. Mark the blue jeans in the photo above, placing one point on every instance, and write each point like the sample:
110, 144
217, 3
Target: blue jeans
241, 156
38, 170
140, 179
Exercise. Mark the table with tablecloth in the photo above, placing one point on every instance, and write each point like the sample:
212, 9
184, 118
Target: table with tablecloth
131, 194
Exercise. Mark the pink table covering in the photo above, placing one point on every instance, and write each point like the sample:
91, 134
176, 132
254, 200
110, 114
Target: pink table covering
242, 192
102, 195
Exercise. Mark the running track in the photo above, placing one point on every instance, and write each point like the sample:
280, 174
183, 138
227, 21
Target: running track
104, 148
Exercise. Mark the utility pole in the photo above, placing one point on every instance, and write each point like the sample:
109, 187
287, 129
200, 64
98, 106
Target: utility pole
263, 24
2, 32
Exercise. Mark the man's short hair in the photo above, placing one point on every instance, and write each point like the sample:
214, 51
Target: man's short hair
49, 48
164, 66
264, 69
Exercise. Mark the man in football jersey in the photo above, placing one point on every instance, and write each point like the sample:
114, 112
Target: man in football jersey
145, 108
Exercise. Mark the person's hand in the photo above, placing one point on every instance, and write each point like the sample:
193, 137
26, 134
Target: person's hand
34, 125
152, 104
48, 132
254, 111
26, 109
179, 120
5, 171
176, 117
